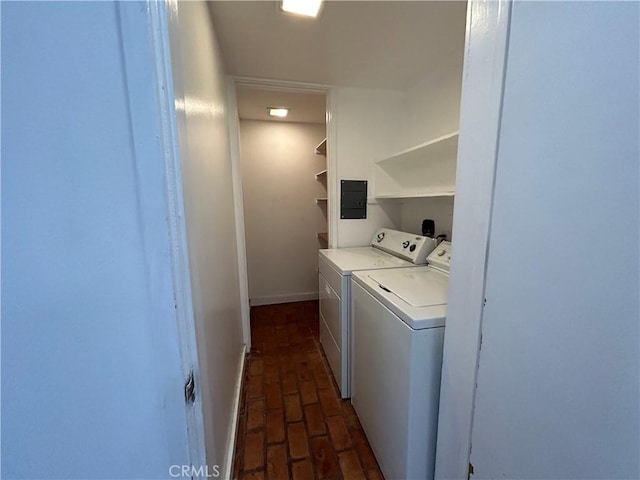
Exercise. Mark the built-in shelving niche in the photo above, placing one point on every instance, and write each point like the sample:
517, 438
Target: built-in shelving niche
426, 170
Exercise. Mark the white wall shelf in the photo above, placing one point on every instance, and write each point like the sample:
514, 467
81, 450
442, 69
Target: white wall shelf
321, 176
321, 149
426, 170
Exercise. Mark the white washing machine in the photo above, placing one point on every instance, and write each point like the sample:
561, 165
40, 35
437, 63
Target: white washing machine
389, 249
398, 319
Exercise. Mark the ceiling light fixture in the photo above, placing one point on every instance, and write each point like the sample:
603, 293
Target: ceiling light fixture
278, 112
307, 8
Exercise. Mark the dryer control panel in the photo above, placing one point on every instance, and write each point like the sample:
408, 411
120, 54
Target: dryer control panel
408, 246
440, 258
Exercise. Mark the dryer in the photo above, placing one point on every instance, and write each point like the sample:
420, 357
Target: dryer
388, 249
398, 319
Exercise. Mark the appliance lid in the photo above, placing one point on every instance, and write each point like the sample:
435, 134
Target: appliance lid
417, 287
347, 260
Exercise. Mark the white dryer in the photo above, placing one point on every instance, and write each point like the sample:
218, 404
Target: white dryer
398, 319
388, 249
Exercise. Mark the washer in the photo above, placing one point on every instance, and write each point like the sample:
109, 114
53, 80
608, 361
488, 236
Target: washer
388, 249
398, 320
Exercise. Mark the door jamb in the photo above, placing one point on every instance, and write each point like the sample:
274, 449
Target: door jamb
234, 137
159, 12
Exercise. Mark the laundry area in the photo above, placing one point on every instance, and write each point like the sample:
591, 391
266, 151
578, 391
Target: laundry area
357, 177
379, 240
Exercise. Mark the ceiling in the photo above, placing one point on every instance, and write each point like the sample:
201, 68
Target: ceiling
367, 44
303, 107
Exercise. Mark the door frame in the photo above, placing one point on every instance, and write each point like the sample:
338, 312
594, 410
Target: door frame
161, 13
234, 137
485, 57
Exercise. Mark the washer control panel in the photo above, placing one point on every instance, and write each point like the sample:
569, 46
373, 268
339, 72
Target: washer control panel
441, 256
408, 246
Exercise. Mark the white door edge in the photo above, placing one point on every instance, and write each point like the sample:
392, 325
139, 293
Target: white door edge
486, 42
179, 257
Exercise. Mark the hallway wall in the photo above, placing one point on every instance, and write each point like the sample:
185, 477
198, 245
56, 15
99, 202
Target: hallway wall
200, 91
281, 215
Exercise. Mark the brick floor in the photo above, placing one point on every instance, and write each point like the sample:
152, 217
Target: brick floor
293, 424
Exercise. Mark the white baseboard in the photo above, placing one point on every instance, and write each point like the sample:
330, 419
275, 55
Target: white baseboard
294, 297
231, 439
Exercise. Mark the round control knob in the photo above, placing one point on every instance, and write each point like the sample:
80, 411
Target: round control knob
405, 244
380, 237
412, 247
441, 252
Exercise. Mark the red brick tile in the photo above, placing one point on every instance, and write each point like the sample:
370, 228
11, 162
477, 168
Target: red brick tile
277, 468
302, 470
296, 338
374, 474
329, 402
297, 439
273, 396
324, 458
314, 357
350, 465
349, 414
256, 386
292, 422
367, 458
339, 433
256, 367
282, 339
293, 411
253, 451
315, 420
304, 372
275, 426
284, 360
308, 393
255, 414
271, 374
270, 360
252, 476
289, 383
322, 379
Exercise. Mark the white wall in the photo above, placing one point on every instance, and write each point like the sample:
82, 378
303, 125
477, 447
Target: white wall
282, 218
432, 109
372, 124
200, 91
368, 128
439, 209
558, 380
432, 104
91, 380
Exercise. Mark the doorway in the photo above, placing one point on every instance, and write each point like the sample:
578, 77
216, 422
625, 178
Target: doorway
284, 171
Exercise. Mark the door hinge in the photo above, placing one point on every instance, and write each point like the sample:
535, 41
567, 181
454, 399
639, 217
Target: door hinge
190, 389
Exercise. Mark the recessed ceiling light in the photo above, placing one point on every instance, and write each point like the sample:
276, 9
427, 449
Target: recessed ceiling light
307, 8
278, 112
